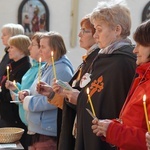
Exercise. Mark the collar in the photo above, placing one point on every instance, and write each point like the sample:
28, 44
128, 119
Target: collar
144, 70
6, 49
91, 49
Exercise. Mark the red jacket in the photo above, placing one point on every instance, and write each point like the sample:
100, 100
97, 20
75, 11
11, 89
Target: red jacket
129, 134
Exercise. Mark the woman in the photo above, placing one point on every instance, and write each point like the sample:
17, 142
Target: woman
41, 116
8, 30
67, 140
128, 132
18, 52
131, 127
29, 76
111, 73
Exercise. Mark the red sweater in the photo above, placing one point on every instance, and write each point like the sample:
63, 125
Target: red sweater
130, 133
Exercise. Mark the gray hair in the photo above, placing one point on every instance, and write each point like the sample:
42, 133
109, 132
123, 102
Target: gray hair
114, 12
13, 29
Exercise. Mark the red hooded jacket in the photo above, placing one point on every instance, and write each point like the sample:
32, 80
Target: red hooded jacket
129, 133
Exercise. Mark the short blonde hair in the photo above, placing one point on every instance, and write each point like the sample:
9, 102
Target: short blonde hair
113, 13
56, 43
21, 42
13, 29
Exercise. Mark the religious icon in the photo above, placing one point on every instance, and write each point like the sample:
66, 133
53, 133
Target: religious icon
34, 16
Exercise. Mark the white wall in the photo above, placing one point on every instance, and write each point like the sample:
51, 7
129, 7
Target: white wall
60, 14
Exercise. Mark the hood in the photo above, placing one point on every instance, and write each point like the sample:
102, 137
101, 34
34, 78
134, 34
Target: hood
126, 50
64, 59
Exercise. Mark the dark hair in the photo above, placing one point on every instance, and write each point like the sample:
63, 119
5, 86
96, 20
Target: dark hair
37, 36
142, 34
56, 43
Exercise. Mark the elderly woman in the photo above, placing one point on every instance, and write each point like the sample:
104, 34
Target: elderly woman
18, 52
111, 73
8, 30
42, 116
128, 132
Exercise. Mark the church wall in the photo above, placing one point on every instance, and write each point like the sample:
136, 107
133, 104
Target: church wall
60, 15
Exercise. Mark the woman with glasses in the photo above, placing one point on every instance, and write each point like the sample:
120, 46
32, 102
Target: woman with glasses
27, 79
29, 76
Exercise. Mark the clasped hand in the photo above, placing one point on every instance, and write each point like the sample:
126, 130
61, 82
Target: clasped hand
10, 85
100, 127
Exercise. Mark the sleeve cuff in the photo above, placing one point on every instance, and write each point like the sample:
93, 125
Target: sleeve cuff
26, 102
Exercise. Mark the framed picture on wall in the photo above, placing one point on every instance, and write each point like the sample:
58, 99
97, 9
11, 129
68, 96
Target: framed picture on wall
146, 12
34, 16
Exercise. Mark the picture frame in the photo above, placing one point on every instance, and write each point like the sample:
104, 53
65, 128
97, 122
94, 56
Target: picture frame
146, 12
33, 15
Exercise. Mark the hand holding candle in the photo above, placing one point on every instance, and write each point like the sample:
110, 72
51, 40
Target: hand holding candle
14, 82
145, 111
7, 72
89, 99
54, 71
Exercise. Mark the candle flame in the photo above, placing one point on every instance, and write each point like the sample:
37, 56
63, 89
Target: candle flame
52, 53
7, 67
144, 98
87, 91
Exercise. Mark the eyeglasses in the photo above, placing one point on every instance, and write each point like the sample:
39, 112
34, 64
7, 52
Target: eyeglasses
83, 31
32, 44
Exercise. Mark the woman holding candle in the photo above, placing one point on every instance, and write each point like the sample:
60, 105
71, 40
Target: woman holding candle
8, 30
41, 116
18, 52
88, 43
111, 73
30, 75
128, 132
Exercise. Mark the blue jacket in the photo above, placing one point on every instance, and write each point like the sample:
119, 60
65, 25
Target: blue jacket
42, 116
26, 82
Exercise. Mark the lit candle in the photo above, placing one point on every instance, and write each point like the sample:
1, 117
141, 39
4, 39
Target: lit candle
89, 98
145, 111
39, 73
14, 82
7, 72
54, 71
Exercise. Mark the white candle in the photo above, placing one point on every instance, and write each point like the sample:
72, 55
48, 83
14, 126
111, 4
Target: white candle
7, 72
54, 71
14, 82
145, 111
39, 73
89, 98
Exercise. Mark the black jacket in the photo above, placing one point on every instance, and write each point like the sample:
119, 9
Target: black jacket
9, 111
4, 62
66, 140
112, 75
